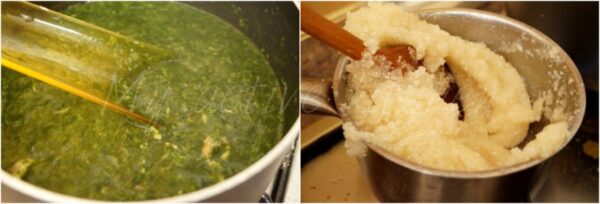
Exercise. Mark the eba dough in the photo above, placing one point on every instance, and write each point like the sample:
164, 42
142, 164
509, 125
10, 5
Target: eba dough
404, 113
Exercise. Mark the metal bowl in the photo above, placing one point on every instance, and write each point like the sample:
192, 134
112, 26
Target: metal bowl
398, 180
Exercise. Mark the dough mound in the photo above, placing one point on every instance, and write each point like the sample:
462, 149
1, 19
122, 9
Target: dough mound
404, 113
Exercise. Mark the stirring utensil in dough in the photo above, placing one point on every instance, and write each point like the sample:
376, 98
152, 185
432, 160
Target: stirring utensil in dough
70, 54
400, 56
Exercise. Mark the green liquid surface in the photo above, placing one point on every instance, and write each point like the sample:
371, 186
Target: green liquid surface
216, 98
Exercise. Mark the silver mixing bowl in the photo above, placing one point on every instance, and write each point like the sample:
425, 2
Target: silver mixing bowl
398, 180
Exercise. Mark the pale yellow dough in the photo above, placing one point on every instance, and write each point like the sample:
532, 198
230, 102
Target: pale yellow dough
405, 115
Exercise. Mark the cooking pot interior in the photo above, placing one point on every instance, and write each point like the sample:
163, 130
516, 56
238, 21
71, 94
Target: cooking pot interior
545, 68
272, 26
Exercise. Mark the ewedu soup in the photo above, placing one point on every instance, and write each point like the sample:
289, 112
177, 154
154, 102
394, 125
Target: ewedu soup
217, 99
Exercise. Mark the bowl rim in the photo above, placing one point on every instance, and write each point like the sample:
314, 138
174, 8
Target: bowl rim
571, 67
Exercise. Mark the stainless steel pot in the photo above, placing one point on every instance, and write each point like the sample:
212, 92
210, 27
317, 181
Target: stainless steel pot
261, 22
395, 179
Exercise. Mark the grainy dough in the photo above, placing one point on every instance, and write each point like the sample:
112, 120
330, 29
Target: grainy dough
404, 113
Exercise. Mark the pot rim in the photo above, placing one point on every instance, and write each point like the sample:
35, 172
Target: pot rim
282, 146
578, 117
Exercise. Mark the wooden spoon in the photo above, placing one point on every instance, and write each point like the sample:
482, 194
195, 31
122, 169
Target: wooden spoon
335, 36
72, 55
342, 40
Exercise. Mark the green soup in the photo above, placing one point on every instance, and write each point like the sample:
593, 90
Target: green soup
217, 99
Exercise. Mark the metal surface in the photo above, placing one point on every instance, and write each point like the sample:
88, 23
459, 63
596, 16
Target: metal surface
392, 178
282, 176
273, 27
573, 176
392, 183
317, 97
573, 25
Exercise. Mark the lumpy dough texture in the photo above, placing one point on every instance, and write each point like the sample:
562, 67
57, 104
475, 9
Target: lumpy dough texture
405, 115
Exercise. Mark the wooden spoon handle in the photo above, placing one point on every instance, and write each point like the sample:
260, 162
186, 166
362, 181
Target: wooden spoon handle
331, 34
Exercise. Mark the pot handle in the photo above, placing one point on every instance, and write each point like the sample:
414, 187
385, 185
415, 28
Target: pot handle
316, 96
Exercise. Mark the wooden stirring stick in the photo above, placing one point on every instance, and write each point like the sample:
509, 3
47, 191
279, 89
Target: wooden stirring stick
70, 54
335, 36
74, 90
